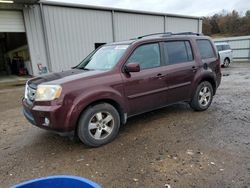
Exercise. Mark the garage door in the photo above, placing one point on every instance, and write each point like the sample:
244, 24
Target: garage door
11, 21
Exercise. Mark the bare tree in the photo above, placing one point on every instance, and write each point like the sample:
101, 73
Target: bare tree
227, 23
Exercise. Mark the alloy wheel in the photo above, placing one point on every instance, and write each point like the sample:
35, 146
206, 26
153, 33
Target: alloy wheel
204, 96
101, 125
226, 63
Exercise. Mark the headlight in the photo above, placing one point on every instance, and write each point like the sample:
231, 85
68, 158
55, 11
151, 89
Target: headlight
48, 92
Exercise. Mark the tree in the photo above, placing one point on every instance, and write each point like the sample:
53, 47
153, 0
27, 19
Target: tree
214, 24
206, 26
247, 13
227, 23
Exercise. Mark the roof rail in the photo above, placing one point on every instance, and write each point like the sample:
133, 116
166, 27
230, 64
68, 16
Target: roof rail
188, 33
167, 34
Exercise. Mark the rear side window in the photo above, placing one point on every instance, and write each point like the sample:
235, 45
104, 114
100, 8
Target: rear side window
147, 55
177, 52
219, 47
226, 47
205, 48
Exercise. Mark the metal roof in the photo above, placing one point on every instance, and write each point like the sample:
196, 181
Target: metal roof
232, 38
84, 6
74, 5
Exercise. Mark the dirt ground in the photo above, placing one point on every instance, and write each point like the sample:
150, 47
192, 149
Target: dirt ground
174, 145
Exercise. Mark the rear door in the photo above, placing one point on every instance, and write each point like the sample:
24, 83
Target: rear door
144, 90
209, 58
180, 69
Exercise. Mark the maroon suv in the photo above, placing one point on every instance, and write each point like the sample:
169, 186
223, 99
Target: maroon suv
123, 79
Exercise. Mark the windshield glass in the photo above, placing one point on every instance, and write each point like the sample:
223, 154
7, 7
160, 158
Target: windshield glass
104, 58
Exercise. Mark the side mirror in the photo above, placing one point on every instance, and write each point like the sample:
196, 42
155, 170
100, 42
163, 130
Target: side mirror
132, 67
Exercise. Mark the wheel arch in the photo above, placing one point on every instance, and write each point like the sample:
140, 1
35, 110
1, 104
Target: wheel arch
209, 77
211, 80
112, 102
227, 59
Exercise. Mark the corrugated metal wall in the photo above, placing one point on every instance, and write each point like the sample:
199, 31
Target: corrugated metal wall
35, 37
239, 45
71, 32
181, 24
128, 25
11, 21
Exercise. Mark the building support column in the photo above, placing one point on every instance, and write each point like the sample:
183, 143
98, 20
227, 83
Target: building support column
249, 52
113, 25
46, 41
198, 29
165, 24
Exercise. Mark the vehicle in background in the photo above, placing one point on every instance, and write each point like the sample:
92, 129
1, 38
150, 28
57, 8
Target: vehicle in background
122, 79
225, 53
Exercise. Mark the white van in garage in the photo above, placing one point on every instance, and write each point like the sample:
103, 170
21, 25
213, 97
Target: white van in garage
225, 52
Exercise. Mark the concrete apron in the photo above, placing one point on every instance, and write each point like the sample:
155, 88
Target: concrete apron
12, 80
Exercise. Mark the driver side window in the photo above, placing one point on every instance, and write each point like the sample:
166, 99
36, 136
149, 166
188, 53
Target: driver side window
147, 55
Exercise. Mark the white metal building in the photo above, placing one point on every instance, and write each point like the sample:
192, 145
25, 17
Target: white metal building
239, 45
60, 35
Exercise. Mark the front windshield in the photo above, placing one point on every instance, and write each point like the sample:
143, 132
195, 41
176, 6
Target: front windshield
105, 58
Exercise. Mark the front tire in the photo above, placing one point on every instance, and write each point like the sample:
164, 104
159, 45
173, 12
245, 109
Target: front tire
98, 125
203, 97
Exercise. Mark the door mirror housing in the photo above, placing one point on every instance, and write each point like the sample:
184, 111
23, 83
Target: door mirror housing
132, 67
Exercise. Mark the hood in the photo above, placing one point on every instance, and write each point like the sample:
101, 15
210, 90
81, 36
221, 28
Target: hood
62, 77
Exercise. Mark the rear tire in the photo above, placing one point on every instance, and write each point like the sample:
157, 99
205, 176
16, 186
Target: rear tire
98, 125
203, 96
226, 62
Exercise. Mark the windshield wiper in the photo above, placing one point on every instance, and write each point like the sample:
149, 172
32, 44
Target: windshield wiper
83, 68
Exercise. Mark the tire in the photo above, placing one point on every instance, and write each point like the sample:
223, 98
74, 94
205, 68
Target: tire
203, 96
226, 63
98, 125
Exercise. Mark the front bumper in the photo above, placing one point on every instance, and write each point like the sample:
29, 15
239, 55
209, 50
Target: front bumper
37, 114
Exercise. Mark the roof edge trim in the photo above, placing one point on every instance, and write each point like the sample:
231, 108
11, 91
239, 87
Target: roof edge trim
94, 7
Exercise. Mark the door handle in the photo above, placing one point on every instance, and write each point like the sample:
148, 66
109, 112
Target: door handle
160, 76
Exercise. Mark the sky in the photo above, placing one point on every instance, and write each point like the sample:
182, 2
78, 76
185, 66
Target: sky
184, 7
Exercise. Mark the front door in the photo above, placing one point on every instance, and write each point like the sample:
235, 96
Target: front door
145, 90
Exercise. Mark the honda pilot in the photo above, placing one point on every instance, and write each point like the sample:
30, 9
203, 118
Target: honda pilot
123, 79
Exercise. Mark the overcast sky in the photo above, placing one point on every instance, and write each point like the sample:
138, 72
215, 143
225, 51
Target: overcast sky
186, 7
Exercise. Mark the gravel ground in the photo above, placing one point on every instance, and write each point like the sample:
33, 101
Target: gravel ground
174, 145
